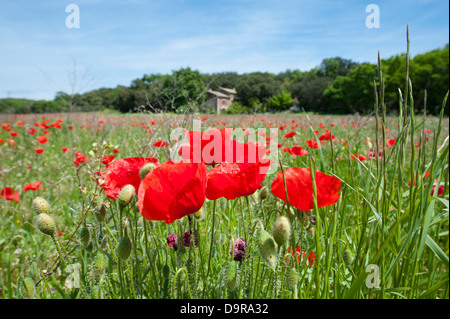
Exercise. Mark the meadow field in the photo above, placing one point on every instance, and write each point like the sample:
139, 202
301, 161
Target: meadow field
366, 215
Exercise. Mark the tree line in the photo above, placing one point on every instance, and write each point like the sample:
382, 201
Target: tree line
337, 85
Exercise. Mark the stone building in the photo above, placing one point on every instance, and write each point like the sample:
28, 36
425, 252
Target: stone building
221, 99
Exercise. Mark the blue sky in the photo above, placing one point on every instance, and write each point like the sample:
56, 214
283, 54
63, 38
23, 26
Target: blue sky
120, 40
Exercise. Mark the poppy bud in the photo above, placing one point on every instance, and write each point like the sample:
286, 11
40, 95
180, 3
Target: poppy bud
40, 206
100, 213
46, 224
99, 264
199, 214
181, 257
27, 288
348, 257
124, 248
230, 276
267, 248
126, 195
255, 197
147, 168
187, 238
263, 193
239, 249
84, 236
281, 230
172, 241
312, 219
166, 271
291, 278
303, 218
311, 231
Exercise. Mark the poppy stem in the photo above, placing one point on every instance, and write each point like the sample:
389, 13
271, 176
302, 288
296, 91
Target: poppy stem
212, 238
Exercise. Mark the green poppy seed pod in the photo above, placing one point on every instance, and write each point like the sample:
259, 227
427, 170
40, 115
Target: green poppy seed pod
166, 271
126, 195
46, 224
89, 247
348, 257
281, 230
230, 275
99, 264
199, 214
27, 288
124, 247
84, 235
264, 193
147, 168
40, 206
291, 278
267, 248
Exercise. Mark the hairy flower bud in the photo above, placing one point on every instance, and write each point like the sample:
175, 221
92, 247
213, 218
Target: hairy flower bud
46, 224
27, 288
267, 248
124, 248
147, 168
40, 206
281, 230
126, 195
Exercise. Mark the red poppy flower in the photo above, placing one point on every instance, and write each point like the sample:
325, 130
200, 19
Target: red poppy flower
300, 190
312, 144
107, 159
39, 150
65, 149
311, 256
290, 134
122, 172
32, 131
391, 142
160, 144
297, 151
42, 139
10, 194
115, 151
14, 134
361, 157
172, 190
32, 186
80, 158
326, 136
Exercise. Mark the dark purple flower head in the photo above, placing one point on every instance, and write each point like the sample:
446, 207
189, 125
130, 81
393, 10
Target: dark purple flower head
187, 238
239, 249
172, 241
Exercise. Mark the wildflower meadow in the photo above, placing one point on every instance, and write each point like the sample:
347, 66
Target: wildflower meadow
194, 206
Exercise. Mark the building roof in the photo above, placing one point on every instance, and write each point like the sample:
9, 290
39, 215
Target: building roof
227, 90
219, 94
